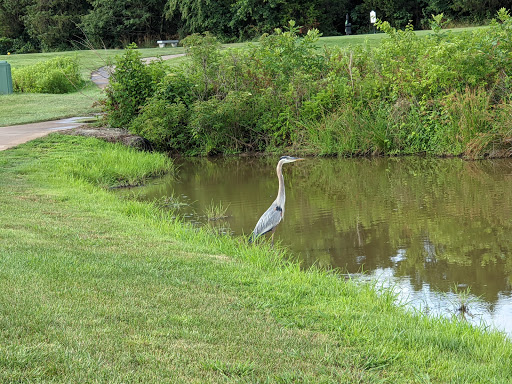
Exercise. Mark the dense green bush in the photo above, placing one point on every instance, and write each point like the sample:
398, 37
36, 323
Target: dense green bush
131, 84
162, 124
118, 23
57, 75
162, 118
440, 94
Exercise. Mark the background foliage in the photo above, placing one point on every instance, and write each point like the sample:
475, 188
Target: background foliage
440, 94
34, 25
119, 23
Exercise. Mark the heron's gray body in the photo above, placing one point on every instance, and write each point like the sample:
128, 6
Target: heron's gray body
275, 213
269, 220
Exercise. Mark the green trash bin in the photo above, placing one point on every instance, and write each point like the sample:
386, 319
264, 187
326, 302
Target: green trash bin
5, 78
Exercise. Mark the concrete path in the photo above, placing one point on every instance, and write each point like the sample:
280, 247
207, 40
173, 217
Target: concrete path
17, 134
100, 76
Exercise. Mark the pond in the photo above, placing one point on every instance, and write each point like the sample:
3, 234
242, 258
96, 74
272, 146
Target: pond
438, 231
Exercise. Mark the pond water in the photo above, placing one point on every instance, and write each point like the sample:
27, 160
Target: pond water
436, 230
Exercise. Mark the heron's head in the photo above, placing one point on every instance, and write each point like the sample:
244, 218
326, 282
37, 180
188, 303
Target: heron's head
289, 159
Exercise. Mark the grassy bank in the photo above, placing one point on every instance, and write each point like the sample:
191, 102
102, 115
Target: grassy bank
99, 289
23, 108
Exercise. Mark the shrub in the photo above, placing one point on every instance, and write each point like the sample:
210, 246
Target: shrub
174, 87
204, 53
131, 84
251, 100
163, 120
440, 94
164, 124
223, 125
57, 75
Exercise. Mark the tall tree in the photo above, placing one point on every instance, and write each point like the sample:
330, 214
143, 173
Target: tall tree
251, 18
398, 13
477, 10
11, 17
54, 22
327, 16
119, 23
197, 16
242, 19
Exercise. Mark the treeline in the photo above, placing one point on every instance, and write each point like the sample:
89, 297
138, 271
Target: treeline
42, 25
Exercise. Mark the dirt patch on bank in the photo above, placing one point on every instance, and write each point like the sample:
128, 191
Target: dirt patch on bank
112, 135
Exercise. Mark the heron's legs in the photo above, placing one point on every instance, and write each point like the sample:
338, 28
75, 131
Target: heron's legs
272, 237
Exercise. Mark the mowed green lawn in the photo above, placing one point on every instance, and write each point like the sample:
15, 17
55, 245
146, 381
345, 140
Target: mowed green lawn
22, 108
98, 289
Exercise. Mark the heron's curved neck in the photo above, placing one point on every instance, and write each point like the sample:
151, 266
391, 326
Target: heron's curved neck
280, 193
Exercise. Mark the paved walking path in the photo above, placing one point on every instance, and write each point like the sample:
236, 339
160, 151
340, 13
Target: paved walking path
17, 134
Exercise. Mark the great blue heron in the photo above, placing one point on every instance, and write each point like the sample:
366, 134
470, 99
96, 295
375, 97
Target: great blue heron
273, 216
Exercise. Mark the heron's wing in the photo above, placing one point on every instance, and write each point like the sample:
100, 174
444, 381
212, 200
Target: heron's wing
268, 220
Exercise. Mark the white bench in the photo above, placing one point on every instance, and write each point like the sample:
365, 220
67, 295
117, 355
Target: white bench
162, 43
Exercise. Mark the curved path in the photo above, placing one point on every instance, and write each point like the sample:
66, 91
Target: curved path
100, 76
17, 134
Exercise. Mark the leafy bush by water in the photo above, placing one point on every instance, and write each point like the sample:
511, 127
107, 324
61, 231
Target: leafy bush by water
131, 84
441, 94
57, 75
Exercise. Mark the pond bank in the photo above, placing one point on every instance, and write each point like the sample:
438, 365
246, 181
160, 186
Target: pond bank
104, 289
411, 222
111, 135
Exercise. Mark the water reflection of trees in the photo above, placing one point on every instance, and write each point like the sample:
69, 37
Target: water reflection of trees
452, 218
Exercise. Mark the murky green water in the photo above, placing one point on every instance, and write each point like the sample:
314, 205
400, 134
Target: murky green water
425, 226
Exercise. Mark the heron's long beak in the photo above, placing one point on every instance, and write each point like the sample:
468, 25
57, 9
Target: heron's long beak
298, 158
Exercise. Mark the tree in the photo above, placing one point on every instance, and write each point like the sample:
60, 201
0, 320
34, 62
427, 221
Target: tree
198, 16
118, 23
477, 10
53, 23
243, 19
325, 15
11, 17
398, 13
251, 18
